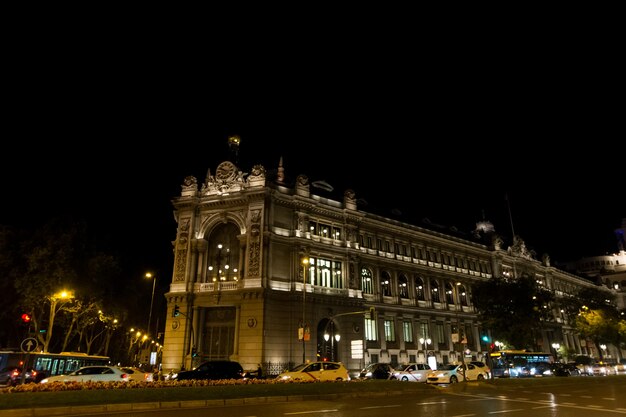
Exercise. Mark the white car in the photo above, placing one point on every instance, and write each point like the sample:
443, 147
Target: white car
453, 373
413, 372
91, 373
136, 374
317, 371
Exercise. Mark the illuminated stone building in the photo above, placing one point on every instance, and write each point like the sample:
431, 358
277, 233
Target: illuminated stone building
380, 290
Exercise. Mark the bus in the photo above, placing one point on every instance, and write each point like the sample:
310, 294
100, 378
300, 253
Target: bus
518, 363
50, 364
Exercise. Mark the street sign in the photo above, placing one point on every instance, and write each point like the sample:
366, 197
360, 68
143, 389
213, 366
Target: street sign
29, 344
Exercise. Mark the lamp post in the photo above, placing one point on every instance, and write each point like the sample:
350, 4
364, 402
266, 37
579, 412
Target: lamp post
60, 297
457, 303
150, 276
333, 336
556, 347
303, 332
602, 352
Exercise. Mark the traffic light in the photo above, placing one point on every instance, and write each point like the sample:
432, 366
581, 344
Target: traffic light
492, 347
26, 318
176, 311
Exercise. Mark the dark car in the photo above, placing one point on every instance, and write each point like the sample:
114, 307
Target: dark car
559, 369
377, 371
214, 370
12, 375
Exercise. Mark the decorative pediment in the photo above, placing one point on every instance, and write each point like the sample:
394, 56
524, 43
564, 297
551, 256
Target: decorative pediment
229, 178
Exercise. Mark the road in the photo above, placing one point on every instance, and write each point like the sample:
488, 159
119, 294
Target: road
558, 397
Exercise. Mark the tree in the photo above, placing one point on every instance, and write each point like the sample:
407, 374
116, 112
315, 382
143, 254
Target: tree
512, 308
80, 317
593, 298
59, 255
596, 326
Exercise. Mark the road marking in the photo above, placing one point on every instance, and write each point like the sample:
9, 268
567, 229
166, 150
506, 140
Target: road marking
311, 412
464, 415
610, 399
579, 407
379, 406
431, 403
506, 411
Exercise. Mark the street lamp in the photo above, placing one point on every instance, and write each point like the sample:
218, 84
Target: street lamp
62, 297
334, 337
457, 302
150, 276
556, 347
603, 347
302, 329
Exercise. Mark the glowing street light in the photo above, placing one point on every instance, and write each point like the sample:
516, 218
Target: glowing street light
556, 347
303, 329
422, 341
335, 337
150, 276
56, 303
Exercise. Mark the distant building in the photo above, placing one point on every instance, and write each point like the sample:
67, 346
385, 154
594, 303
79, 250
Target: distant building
374, 289
606, 270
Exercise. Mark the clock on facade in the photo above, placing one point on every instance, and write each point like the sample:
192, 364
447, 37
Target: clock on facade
225, 171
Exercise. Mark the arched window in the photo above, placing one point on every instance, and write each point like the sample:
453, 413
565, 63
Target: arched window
419, 288
223, 254
449, 294
434, 291
462, 295
403, 287
385, 284
366, 281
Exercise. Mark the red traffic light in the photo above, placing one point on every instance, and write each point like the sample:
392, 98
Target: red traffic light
26, 318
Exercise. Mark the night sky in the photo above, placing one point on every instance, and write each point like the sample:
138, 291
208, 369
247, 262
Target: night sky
450, 152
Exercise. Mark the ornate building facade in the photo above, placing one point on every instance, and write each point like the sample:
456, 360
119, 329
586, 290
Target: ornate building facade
271, 272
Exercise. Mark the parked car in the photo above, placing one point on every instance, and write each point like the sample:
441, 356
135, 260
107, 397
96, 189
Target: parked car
453, 373
136, 374
99, 373
216, 369
12, 375
412, 372
317, 371
377, 371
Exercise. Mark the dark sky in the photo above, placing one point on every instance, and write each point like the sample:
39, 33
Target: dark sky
432, 142
564, 200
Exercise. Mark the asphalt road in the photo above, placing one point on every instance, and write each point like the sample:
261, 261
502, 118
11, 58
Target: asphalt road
553, 397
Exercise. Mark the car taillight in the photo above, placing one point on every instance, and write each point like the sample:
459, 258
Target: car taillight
124, 376
16, 373
33, 373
